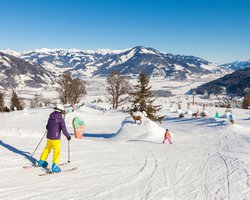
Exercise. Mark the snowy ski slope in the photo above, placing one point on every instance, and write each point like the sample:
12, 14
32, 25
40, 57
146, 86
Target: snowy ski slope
120, 160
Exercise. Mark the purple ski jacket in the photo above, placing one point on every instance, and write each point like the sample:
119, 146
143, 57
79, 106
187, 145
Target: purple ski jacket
55, 125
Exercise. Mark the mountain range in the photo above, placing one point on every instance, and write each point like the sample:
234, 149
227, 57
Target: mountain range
17, 73
43, 66
237, 65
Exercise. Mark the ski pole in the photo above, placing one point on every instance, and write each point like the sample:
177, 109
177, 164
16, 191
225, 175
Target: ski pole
68, 152
38, 144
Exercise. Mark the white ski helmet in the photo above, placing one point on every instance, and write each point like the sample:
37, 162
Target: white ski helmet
59, 107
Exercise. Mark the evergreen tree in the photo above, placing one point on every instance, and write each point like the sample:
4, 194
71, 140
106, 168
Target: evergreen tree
15, 102
1, 102
143, 98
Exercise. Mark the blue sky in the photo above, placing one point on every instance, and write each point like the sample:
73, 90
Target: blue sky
216, 30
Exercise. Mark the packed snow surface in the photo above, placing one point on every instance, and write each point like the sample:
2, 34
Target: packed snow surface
120, 159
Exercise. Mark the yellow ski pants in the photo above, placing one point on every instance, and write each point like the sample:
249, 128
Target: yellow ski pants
56, 146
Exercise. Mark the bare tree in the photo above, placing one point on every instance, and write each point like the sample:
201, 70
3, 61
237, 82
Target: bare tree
64, 90
246, 102
118, 89
36, 101
71, 90
46, 101
77, 91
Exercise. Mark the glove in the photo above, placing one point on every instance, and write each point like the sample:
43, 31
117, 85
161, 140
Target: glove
69, 138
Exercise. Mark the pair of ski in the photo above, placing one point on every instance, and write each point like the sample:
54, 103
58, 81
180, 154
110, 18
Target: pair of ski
48, 171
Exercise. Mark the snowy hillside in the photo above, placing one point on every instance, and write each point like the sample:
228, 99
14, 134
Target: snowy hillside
235, 83
118, 159
18, 73
88, 63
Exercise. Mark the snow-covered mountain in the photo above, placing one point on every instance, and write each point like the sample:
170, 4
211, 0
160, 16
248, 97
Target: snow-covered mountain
156, 63
16, 72
78, 62
88, 63
237, 65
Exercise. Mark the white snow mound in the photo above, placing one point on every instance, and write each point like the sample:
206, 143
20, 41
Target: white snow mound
189, 112
148, 130
180, 111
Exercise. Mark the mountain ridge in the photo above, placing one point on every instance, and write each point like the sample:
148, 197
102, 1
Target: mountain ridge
129, 62
237, 64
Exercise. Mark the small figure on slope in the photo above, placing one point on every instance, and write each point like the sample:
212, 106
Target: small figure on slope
54, 127
195, 114
167, 136
231, 118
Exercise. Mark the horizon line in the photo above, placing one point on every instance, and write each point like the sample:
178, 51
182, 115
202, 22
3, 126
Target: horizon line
108, 49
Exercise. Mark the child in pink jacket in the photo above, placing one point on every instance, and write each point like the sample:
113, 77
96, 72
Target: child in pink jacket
167, 136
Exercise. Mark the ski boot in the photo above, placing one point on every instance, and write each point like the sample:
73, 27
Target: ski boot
55, 168
42, 163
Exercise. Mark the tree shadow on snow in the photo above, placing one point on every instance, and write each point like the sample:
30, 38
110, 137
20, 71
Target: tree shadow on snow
200, 121
17, 151
247, 118
170, 118
177, 119
213, 123
96, 135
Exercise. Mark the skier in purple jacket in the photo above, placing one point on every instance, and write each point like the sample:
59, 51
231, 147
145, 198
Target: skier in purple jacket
54, 127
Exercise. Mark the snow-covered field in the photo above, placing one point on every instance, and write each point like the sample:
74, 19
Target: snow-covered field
118, 159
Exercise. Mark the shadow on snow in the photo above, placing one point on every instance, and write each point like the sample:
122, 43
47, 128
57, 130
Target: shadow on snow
17, 151
209, 122
97, 135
